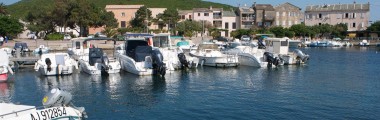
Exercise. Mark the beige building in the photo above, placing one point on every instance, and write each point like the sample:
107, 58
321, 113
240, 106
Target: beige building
355, 16
287, 15
245, 17
155, 12
123, 14
264, 15
185, 15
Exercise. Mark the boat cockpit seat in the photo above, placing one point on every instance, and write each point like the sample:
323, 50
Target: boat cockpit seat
141, 52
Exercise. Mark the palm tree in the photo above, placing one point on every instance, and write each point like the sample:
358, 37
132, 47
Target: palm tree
3, 9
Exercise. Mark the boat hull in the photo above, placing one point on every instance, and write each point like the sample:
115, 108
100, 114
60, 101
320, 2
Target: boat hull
56, 70
3, 77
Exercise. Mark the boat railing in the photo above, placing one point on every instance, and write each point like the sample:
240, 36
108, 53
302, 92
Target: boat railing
19, 111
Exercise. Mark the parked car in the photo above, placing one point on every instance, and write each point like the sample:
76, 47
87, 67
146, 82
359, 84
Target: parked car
220, 38
20, 45
245, 38
66, 37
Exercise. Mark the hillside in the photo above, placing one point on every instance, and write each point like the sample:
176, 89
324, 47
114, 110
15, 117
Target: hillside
21, 8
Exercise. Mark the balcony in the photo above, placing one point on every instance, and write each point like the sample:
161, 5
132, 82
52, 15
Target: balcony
217, 17
246, 26
247, 18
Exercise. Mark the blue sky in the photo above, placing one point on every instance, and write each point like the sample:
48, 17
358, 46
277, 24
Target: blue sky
375, 4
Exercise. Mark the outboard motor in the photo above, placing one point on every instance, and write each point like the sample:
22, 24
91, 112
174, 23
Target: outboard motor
303, 57
56, 98
158, 63
261, 44
271, 59
182, 59
48, 63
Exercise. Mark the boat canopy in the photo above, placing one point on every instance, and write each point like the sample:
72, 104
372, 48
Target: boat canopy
98, 38
137, 35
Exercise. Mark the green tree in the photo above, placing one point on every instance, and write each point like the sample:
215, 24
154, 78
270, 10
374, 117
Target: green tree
279, 31
299, 29
189, 27
142, 17
3, 9
109, 32
170, 17
40, 20
339, 30
374, 27
10, 26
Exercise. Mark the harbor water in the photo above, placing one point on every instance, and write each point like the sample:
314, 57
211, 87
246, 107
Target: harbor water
337, 83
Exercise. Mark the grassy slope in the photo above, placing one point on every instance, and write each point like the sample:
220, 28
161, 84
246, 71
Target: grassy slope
20, 9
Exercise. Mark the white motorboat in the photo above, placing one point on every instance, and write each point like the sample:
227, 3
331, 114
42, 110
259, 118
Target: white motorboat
278, 49
97, 62
210, 55
42, 49
364, 43
249, 55
174, 53
334, 44
57, 105
93, 60
55, 64
138, 57
294, 43
77, 48
4, 66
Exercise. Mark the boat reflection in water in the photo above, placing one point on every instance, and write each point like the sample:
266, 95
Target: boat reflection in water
6, 91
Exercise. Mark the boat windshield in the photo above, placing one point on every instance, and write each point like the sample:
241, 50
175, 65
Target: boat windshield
161, 41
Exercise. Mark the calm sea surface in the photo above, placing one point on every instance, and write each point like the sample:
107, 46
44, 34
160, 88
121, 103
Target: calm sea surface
337, 83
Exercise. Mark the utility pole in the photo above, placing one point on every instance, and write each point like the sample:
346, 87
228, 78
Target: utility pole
146, 16
203, 28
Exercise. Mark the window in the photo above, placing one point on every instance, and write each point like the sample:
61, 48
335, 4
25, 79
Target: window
320, 15
290, 23
361, 15
353, 15
309, 16
226, 25
182, 16
233, 25
259, 24
123, 14
283, 13
122, 24
278, 23
319, 23
277, 14
206, 14
346, 15
353, 25
190, 17
199, 14
283, 23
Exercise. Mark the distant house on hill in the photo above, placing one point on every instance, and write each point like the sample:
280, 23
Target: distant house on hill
355, 16
287, 15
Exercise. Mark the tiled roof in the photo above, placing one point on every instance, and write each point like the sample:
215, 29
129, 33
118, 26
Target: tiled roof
207, 9
183, 12
123, 6
337, 7
245, 9
229, 14
267, 7
288, 4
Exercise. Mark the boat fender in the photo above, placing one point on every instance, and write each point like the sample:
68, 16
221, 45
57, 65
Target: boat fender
48, 63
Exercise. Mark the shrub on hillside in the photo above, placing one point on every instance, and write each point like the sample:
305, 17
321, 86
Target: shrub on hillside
54, 36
